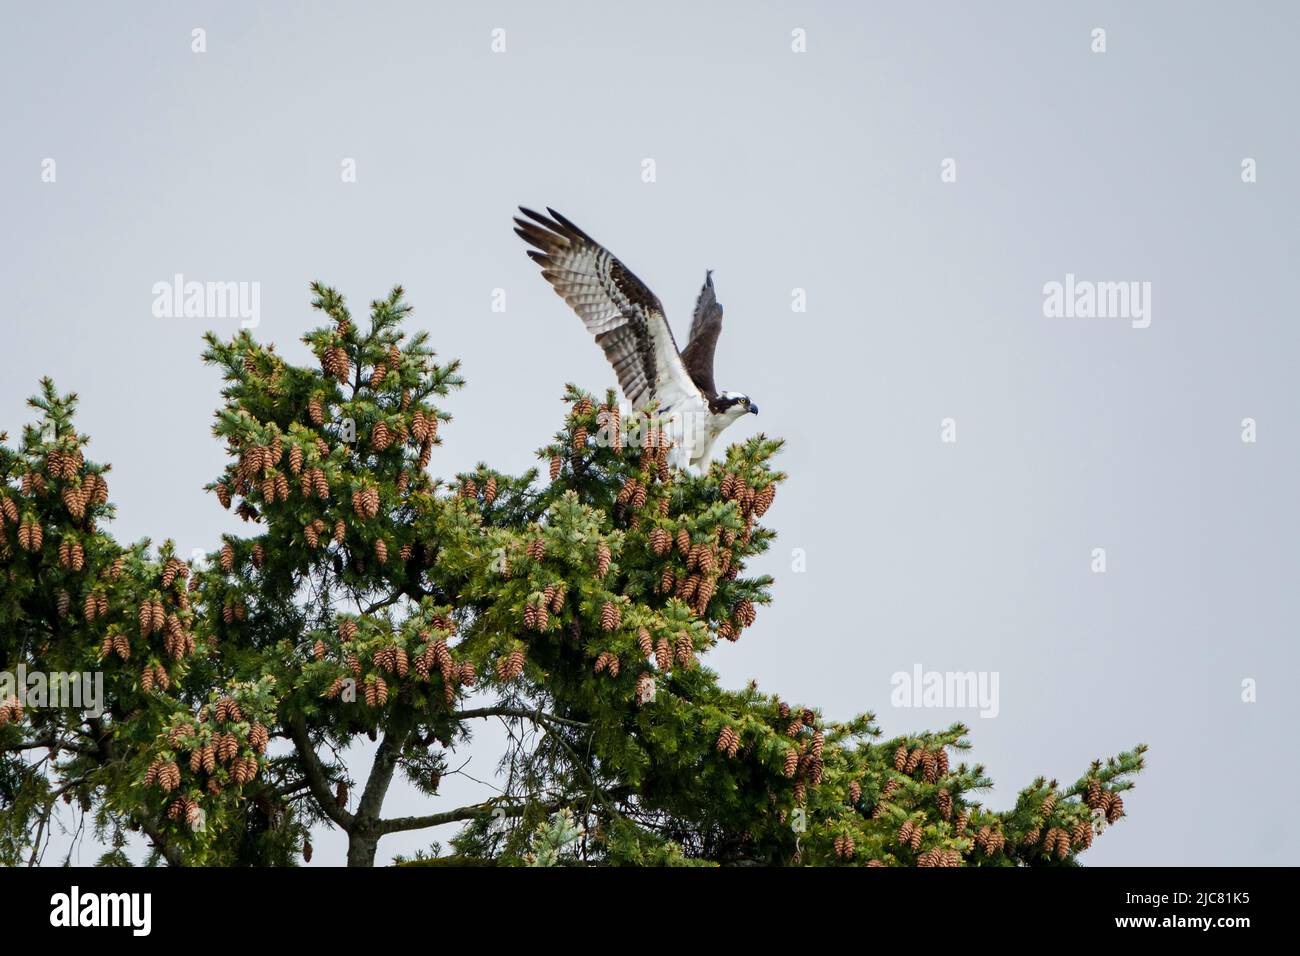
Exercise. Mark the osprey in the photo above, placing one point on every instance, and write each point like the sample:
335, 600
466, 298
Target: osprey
628, 322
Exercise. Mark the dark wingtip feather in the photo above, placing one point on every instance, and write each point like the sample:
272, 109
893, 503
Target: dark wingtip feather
568, 226
539, 218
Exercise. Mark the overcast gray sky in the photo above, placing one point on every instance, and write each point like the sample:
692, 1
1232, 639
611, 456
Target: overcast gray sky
781, 170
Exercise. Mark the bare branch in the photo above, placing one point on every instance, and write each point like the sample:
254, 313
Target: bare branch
316, 780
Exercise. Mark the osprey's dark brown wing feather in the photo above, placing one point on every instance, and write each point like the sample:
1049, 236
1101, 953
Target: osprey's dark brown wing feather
706, 325
626, 318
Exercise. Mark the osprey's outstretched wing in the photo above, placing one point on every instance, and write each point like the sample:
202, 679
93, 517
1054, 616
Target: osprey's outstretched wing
705, 327
625, 317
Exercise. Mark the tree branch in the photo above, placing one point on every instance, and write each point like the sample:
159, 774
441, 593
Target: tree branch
317, 782
381, 773
486, 808
537, 716
171, 854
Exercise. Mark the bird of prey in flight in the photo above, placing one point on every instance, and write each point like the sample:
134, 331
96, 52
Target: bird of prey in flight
629, 324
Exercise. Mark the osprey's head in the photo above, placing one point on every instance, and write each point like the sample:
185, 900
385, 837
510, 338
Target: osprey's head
732, 405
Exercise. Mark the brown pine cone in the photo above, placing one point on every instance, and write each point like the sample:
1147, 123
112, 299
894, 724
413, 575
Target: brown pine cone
1116, 809
745, 613
610, 616
626, 490
511, 666
930, 767
724, 739
666, 581
913, 761
684, 649
258, 737
905, 833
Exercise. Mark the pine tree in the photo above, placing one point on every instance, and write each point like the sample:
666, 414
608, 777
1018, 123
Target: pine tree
367, 598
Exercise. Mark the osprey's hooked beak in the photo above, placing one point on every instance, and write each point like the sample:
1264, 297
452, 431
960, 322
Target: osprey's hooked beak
753, 408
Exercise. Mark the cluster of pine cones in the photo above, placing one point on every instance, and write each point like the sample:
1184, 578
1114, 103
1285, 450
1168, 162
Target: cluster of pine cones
607, 661
511, 665
31, 536
910, 834
334, 362
258, 466
706, 562
185, 808
1059, 841
753, 502
11, 708
93, 490
79, 493
165, 773
154, 618
1107, 801
537, 616
728, 741
990, 840
153, 675
365, 502
939, 856
469, 488
932, 763
742, 616
803, 761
